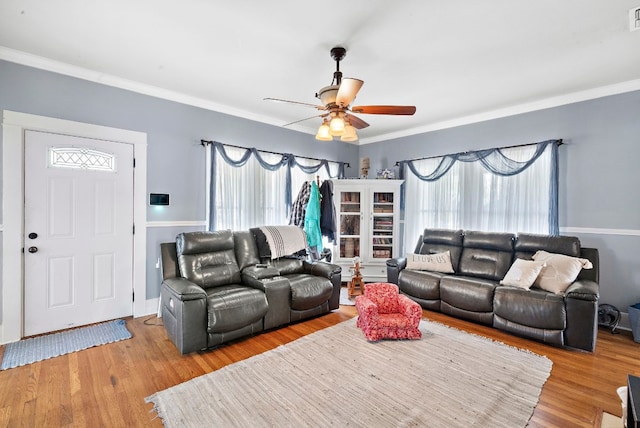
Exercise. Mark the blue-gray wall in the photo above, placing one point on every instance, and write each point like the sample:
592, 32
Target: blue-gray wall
176, 160
599, 175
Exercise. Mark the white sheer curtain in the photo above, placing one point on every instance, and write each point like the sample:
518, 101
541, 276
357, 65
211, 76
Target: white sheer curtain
249, 196
472, 198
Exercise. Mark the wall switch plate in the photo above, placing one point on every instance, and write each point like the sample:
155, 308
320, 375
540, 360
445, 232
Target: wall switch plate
634, 19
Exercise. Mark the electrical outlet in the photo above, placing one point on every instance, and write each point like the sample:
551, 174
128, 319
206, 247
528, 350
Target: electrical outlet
634, 19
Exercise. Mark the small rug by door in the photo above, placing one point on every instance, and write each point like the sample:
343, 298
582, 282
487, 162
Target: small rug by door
334, 377
52, 345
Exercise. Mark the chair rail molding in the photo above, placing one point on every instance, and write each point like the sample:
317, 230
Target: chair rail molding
188, 223
600, 231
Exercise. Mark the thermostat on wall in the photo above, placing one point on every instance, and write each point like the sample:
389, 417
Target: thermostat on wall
158, 199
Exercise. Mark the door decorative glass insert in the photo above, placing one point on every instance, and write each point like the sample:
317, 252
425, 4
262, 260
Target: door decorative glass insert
81, 158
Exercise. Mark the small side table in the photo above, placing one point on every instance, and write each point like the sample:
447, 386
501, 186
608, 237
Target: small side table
633, 401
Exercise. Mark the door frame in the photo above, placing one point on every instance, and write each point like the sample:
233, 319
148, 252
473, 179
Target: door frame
13, 126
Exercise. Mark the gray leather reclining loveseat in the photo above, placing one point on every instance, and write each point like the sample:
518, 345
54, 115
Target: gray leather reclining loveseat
216, 288
473, 291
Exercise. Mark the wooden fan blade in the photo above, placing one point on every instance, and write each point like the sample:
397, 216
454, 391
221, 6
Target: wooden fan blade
396, 110
295, 102
355, 121
306, 118
347, 91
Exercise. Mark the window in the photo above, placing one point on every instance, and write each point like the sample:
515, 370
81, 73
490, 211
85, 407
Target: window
249, 195
248, 188
469, 196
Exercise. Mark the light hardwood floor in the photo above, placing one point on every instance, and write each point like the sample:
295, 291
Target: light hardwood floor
106, 386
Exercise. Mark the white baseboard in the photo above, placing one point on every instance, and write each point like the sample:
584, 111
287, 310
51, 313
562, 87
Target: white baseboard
152, 306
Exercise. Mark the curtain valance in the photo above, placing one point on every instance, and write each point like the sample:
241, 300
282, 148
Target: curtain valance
499, 162
287, 160
493, 160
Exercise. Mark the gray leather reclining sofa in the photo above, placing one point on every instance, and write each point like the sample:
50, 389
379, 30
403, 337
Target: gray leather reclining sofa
216, 288
480, 260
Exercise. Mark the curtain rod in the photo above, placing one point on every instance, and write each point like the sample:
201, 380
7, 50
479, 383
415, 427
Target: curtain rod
558, 142
205, 143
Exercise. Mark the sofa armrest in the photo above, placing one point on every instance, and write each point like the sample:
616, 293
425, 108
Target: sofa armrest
184, 314
394, 266
583, 290
254, 275
183, 289
367, 312
410, 309
324, 269
330, 271
581, 302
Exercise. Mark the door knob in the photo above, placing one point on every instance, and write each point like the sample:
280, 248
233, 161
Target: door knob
33, 235
33, 249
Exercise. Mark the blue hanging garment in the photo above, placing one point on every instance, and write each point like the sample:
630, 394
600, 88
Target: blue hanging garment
312, 219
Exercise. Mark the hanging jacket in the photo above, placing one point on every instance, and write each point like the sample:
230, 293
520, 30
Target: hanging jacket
296, 216
312, 218
327, 211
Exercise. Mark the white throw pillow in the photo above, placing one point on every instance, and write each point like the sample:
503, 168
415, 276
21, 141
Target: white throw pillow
440, 262
560, 271
522, 273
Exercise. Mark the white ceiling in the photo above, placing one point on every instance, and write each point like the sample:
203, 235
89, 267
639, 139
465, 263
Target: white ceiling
456, 61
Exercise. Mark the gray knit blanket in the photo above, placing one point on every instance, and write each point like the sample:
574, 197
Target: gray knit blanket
284, 240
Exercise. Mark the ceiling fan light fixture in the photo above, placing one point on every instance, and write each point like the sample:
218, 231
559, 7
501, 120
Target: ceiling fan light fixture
327, 95
349, 134
337, 125
324, 133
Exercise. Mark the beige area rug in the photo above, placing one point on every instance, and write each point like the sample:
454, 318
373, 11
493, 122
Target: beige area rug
334, 377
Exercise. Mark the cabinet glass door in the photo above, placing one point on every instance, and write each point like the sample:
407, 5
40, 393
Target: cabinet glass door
382, 225
350, 214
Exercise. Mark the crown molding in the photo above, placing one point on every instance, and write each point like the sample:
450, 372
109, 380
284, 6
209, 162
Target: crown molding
570, 98
42, 63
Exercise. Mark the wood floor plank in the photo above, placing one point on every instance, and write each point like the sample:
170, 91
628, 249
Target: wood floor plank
107, 385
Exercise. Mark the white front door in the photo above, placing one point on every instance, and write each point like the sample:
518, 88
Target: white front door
78, 226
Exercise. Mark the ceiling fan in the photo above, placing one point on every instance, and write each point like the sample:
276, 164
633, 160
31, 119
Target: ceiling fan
339, 120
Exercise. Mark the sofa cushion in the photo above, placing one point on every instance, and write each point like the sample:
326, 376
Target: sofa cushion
470, 294
559, 271
522, 273
486, 255
230, 307
440, 262
421, 284
308, 291
532, 308
434, 241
